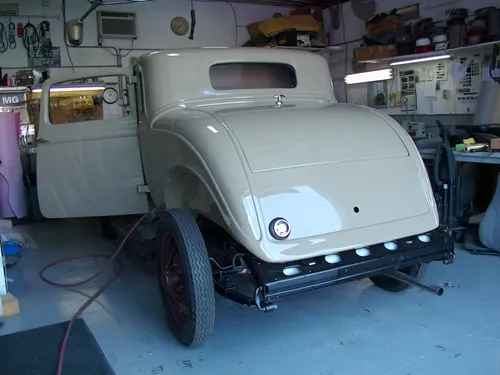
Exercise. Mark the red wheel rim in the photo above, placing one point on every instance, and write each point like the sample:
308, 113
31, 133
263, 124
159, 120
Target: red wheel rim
172, 280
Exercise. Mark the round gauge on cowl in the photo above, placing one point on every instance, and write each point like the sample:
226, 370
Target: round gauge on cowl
110, 95
179, 26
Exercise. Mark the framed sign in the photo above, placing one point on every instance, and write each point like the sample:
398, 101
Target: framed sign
52, 61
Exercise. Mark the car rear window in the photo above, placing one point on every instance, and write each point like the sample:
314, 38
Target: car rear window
241, 76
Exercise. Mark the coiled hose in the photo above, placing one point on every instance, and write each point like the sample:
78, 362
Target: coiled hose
444, 149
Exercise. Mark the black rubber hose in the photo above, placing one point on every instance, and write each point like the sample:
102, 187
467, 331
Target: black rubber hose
437, 165
452, 172
193, 24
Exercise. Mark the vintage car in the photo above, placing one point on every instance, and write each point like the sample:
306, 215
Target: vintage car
264, 185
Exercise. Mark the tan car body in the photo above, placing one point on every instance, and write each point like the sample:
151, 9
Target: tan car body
343, 176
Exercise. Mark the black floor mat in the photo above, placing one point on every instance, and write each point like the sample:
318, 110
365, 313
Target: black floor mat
35, 352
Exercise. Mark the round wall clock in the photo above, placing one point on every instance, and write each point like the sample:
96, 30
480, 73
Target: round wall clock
110, 95
179, 26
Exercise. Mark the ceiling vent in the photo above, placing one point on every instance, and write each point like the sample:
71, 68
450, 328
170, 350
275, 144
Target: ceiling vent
9, 9
116, 25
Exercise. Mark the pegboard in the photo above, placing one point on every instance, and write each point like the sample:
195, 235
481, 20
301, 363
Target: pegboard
441, 87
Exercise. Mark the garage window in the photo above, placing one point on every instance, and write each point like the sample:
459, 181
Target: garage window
92, 99
242, 76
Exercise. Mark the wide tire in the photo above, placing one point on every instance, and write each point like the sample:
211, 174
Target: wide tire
393, 285
185, 278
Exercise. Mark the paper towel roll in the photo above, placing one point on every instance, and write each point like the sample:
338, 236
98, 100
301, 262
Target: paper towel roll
12, 197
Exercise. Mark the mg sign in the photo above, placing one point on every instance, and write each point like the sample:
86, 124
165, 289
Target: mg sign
12, 99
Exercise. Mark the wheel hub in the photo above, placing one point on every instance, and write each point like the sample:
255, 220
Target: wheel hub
173, 282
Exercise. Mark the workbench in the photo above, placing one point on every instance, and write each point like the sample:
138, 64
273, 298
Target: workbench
467, 157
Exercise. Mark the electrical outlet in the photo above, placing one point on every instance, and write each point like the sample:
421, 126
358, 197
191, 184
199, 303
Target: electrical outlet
415, 129
408, 102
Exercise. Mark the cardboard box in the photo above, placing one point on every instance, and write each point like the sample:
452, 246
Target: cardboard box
314, 10
495, 144
9, 305
375, 52
253, 30
384, 24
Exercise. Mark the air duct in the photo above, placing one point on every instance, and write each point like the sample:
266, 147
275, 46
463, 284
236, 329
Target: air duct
74, 27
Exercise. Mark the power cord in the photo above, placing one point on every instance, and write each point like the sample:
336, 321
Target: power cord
80, 283
63, 10
346, 45
235, 24
3, 38
45, 47
31, 40
193, 22
493, 65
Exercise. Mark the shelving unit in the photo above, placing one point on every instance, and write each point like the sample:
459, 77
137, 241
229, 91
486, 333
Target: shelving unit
468, 48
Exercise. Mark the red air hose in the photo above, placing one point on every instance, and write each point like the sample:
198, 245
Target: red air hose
80, 283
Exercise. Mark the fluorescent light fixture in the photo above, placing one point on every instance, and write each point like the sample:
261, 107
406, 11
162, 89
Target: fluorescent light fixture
84, 88
376, 75
423, 59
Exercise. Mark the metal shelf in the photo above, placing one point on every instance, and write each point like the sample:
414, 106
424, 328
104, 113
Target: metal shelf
288, 3
320, 50
28, 16
8, 89
451, 51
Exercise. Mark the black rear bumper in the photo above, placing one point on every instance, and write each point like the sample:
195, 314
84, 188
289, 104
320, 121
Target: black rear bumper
318, 273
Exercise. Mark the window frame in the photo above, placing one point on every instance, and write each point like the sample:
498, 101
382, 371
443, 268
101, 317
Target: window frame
290, 67
69, 82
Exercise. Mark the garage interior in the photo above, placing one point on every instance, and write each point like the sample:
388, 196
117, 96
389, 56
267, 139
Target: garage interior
80, 292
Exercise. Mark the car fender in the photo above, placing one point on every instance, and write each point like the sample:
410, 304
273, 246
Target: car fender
201, 171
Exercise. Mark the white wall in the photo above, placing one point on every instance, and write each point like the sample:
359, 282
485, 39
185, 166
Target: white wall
215, 26
355, 28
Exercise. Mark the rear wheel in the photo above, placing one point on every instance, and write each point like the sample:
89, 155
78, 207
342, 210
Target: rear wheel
185, 278
393, 285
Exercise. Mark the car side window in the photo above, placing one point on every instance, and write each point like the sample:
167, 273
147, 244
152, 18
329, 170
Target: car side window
97, 98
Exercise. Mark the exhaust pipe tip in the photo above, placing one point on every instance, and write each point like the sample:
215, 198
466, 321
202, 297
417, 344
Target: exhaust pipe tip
410, 280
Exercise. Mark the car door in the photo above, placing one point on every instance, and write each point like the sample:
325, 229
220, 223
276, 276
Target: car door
88, 158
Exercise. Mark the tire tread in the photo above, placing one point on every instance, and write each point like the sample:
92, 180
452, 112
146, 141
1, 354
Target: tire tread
199, 275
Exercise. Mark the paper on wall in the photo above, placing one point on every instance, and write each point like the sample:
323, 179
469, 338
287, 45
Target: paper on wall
430, 88
458, 70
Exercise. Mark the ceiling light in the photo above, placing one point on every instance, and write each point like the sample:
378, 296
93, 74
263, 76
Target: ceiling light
413, 61
376, 75
85, 88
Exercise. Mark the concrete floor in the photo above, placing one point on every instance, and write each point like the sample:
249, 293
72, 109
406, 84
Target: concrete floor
353, 328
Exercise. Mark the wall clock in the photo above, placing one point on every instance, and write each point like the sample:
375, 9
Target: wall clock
179, 26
